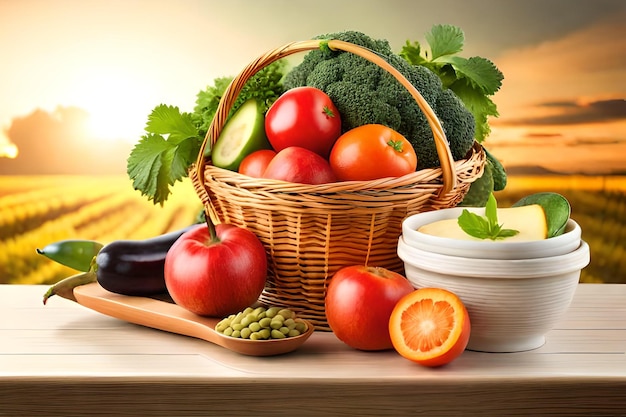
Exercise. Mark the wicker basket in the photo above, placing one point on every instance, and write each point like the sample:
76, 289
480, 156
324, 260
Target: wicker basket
310, 231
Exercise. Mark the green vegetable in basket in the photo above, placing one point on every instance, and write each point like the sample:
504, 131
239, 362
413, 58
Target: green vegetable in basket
494, 178
173, 138
473, 79
365, 93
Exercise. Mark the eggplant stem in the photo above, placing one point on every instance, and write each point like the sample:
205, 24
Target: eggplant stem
65, 287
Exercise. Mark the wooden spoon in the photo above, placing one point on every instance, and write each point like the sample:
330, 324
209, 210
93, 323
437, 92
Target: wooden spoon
173, 318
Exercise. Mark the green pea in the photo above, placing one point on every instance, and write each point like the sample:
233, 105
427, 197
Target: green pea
276, 324
222, 325
265, 333
290, 323
301, 327
250, 318
237, 318
236, 333
238, 326
272, 311
228, 331
284, 330
255, 327
286, 313
265, 322
293, 333
277, 334
256, 336
246, 332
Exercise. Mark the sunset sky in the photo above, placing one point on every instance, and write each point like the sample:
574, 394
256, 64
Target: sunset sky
103, 65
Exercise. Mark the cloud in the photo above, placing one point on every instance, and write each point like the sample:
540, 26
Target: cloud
584, 66
571, 112
59, 142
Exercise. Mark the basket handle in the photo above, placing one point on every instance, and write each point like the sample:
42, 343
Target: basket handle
236, 85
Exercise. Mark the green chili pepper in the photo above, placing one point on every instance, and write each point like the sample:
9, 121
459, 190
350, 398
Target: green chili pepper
77, 254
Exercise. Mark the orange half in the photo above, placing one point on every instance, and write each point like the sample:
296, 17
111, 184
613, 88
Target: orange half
430, 326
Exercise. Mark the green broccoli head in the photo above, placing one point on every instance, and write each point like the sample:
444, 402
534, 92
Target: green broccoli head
365, 93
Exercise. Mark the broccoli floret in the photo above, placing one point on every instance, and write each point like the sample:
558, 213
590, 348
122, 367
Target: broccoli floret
365, 93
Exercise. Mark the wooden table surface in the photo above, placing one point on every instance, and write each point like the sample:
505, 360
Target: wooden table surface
63, 359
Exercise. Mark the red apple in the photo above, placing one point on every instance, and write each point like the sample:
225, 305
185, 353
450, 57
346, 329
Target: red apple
359, 302
216, 271
299, 165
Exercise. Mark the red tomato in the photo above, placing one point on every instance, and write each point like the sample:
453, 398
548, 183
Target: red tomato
299, 165
304, 117
370, 152
359, 302
254, 164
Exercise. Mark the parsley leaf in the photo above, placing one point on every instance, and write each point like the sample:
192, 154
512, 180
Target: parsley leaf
445, 40
485, 227
163, 155
173, 138
168, 120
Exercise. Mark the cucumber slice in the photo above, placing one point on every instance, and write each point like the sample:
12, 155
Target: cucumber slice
243, 134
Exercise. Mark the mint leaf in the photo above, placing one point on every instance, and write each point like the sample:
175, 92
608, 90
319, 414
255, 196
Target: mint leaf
491, 211
504, 233
473, 224
484, 227
445, 40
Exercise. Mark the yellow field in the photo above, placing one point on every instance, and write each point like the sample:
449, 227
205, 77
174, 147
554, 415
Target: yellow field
35, 211
598, 205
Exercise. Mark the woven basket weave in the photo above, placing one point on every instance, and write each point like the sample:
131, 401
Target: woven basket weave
310, 231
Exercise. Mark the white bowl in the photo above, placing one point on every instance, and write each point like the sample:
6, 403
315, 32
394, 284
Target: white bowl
558, 245
512, 304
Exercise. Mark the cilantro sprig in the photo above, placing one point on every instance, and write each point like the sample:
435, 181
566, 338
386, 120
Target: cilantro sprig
485, 227
172, 138
164, 154
473, 79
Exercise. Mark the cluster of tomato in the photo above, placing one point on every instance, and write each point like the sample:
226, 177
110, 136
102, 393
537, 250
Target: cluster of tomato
303, 127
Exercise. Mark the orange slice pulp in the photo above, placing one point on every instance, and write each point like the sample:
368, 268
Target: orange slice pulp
430, 326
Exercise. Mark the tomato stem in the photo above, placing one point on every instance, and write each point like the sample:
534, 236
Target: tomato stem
396, 145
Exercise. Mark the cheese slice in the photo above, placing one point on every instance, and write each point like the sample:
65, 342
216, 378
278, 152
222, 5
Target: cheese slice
529, 220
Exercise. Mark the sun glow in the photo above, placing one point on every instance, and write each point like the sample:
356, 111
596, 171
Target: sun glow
115, 101
8, 150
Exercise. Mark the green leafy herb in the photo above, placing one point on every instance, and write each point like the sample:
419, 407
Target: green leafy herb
173, 138
473, 79
485, 227
164, 153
